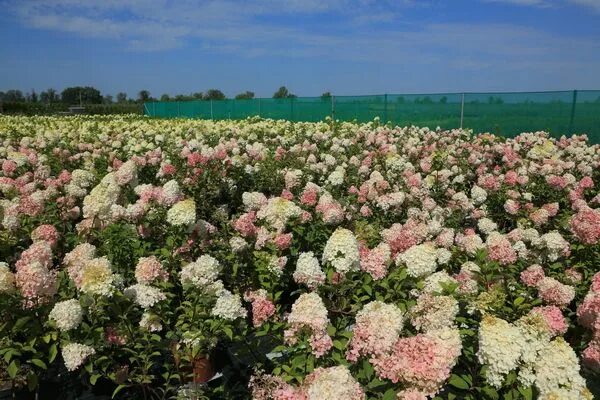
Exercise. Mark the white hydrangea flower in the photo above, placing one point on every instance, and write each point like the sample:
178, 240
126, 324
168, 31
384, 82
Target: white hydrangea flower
229, 306
7, 279
151, 322
433, 283
171, 192
478, 195
96, 277
334, 383
238, 244
183, 213
487, 226
420, 260
253, 201
75, 354
308, 270
67, 314
500, 348
278, 211
102, 197
145, 296
434, 312
336, 178
557, 373
200, 273
341, 250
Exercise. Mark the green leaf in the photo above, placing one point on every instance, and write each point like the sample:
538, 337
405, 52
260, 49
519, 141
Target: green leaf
390, 394
518, 301
338, 345
52, 353
94, 378
39, 363
458, 382
228, 332
526, 392
20, 322
491, 392
117, 390
12, 369
32, 381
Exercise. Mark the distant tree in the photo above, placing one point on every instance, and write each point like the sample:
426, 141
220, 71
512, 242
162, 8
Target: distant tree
49, 96
14, 96
32, 97
197, 95
444, 100
165, 97
121, 97
87, 95
281, 93
108, 99
214, 94
143, 96
247, 95
326, 96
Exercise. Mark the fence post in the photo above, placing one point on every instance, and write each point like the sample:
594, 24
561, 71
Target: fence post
211, 110
385, 109
332, 107
572, 112
462, 110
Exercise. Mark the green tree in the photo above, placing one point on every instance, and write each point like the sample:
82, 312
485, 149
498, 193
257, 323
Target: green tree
32, 97
281, 93
49, 96
245, 96
83, 94
121, 97
143, 96
14, 96
326, 96
197, 95
214, 94
165, 97
108, 99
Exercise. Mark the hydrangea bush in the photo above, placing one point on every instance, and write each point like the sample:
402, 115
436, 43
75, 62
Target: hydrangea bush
304, 261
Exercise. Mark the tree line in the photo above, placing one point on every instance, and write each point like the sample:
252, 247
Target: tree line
90, 95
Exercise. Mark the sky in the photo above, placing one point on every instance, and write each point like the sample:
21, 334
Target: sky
347, 47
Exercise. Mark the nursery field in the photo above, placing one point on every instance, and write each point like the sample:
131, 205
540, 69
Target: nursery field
274, 260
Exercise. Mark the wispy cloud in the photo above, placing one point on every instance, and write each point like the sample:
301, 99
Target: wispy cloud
593, 4
251, 29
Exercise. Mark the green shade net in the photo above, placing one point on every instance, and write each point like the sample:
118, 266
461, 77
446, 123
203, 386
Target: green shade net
507, 114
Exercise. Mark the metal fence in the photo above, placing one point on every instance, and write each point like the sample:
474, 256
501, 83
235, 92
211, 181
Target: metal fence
507, 114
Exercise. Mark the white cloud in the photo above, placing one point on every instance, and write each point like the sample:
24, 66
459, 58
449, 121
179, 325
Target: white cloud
593, 4
252, 29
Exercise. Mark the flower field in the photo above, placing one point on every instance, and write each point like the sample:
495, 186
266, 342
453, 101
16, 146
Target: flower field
296, 261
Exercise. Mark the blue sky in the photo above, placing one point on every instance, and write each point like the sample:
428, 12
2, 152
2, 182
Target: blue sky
348, 47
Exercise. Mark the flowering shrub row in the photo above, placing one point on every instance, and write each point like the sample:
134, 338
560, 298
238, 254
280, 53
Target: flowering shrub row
299, 261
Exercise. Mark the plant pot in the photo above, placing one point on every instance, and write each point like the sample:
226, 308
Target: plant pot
202, 369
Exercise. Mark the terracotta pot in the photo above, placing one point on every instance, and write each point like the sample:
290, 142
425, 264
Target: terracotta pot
202, 369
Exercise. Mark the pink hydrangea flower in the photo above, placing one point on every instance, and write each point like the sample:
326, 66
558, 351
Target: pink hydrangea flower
532, 275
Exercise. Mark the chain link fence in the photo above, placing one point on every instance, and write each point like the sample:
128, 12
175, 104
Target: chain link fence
507, 114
